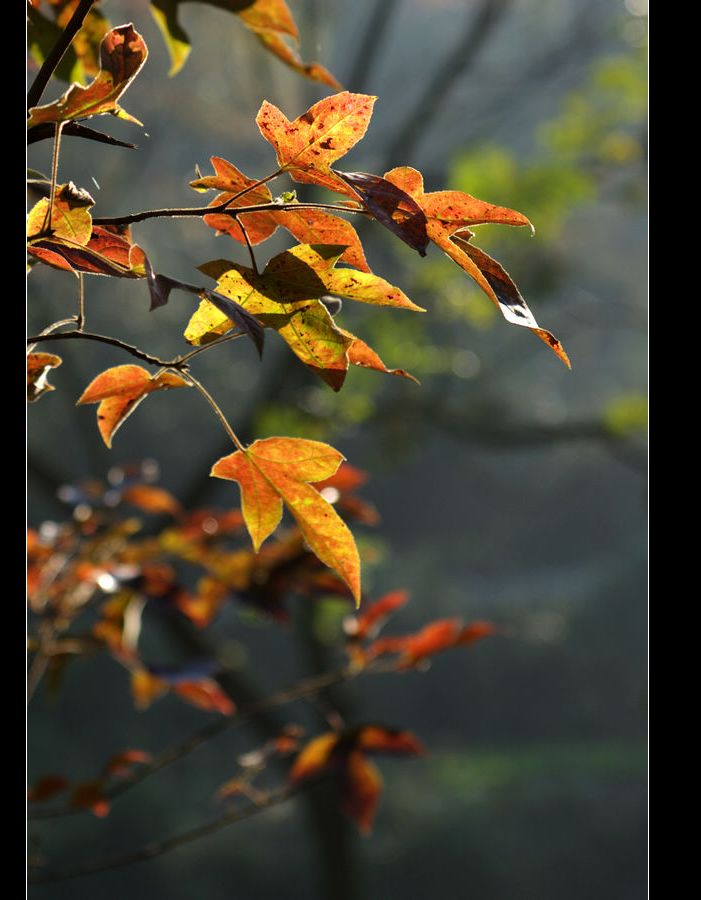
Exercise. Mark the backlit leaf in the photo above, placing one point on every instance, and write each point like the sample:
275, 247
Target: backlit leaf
307, 146
120, 390
122, 54
121, 764
314, 757
38, 367
110, 251
46, 788
70, 218
360, 354
374, 616
361, 787
152, 499
449, 216
392, 207
279, 470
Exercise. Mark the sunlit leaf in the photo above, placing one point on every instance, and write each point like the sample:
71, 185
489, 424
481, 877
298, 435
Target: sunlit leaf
121, 765
360, 354
152, 499
307, 146
120, 390
70, 218
375, 615
361, 787
110, 251
279, 470
122, 54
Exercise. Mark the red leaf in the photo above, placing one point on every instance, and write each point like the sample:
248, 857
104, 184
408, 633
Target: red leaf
91, 796
121, 764
46, 788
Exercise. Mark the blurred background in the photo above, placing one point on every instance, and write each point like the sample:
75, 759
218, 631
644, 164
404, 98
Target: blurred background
510, 489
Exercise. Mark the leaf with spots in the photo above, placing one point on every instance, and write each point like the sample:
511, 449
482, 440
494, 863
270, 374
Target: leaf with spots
270, 21
110, 251
122, 54
38, 367
120, 390
279, 471
308, 146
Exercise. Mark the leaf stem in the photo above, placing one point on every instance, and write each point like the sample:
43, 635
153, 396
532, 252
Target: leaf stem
48, 330
80, 319
249, 246
215, 406
56, 53
46, 226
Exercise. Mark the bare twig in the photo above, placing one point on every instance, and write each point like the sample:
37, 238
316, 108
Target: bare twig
215, 406
104, 339
196, 212
56, 53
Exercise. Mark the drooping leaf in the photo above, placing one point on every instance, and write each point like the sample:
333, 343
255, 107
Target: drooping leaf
497, 284
449, 216
122, 54
269, 20
361, 787
360, 354
70, 218
308, 146
279, 470
392, 207
314, 757
38, 367
120, 390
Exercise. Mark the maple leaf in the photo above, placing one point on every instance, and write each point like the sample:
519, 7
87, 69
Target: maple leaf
38, 367
120, 390
69, 217
449, 215
308, 226
122, 54
286, 298
269, 20
278, 471
307, 146
345, 754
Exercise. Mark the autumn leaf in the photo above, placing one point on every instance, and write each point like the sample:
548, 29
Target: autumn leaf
46, 788
69, 217
152, 499
345, 754
373, 618
121, 765
122, 54
278, 471
38, 367
91, 796
449, 216
496, 282
307, 146
392, 207
269, 20
308, 226
110, 251
443, 634
360, 354
119, 391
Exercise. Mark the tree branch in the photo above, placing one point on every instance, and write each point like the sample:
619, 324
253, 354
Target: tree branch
274, 798
56, 53
199, 212
75, 129
176, 363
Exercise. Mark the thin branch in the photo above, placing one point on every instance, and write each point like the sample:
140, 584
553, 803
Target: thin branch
215, 343
49, 329
75, 129
80, 319
158, 848
196, 212
54, 174
56, 53
248, 243
114, 342
307, 687
215, 406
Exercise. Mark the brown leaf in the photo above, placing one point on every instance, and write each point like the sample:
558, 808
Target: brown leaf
122, 54
90, 796
119, 391
46, 788
110, 251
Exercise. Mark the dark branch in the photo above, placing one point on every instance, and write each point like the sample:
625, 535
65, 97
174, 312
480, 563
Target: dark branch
56, 53
176, 363
74, 129
195, 212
